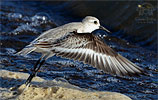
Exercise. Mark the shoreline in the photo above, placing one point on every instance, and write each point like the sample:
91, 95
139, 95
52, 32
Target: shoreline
12, 86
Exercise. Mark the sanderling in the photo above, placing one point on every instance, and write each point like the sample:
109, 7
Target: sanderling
76, 41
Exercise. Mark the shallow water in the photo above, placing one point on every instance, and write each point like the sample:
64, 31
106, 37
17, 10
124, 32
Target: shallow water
21, 22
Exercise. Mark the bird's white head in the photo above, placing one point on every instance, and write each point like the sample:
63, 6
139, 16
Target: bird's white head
91, 23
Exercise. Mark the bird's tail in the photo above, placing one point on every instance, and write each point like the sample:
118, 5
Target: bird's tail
25, 51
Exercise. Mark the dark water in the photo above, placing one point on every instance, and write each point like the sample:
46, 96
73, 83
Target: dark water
132, 37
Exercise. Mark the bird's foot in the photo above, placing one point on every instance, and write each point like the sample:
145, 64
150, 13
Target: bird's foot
28, 81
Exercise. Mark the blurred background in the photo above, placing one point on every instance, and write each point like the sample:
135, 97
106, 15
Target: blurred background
134, 35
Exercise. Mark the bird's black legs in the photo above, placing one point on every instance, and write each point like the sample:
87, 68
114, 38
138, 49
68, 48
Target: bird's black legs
37, 66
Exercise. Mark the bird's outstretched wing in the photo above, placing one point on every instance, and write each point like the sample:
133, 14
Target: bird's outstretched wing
91, 50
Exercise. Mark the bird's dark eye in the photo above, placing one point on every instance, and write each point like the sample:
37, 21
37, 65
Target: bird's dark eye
95, 22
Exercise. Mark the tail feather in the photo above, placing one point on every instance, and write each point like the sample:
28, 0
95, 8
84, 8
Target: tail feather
26, 51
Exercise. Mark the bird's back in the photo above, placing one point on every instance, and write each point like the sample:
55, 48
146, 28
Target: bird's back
51, 36
58, 32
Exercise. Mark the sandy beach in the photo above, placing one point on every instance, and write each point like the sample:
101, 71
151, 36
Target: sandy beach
12, 87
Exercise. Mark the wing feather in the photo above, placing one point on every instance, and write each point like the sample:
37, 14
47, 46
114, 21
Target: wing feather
91, 50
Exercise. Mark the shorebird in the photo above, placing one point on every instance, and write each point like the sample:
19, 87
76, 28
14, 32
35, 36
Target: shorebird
76, 41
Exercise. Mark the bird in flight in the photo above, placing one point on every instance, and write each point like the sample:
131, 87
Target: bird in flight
76, 41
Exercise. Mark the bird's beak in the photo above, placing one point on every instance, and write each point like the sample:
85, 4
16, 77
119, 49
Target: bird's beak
103, 28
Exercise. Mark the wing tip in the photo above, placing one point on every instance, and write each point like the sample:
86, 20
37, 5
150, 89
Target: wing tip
135, 74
